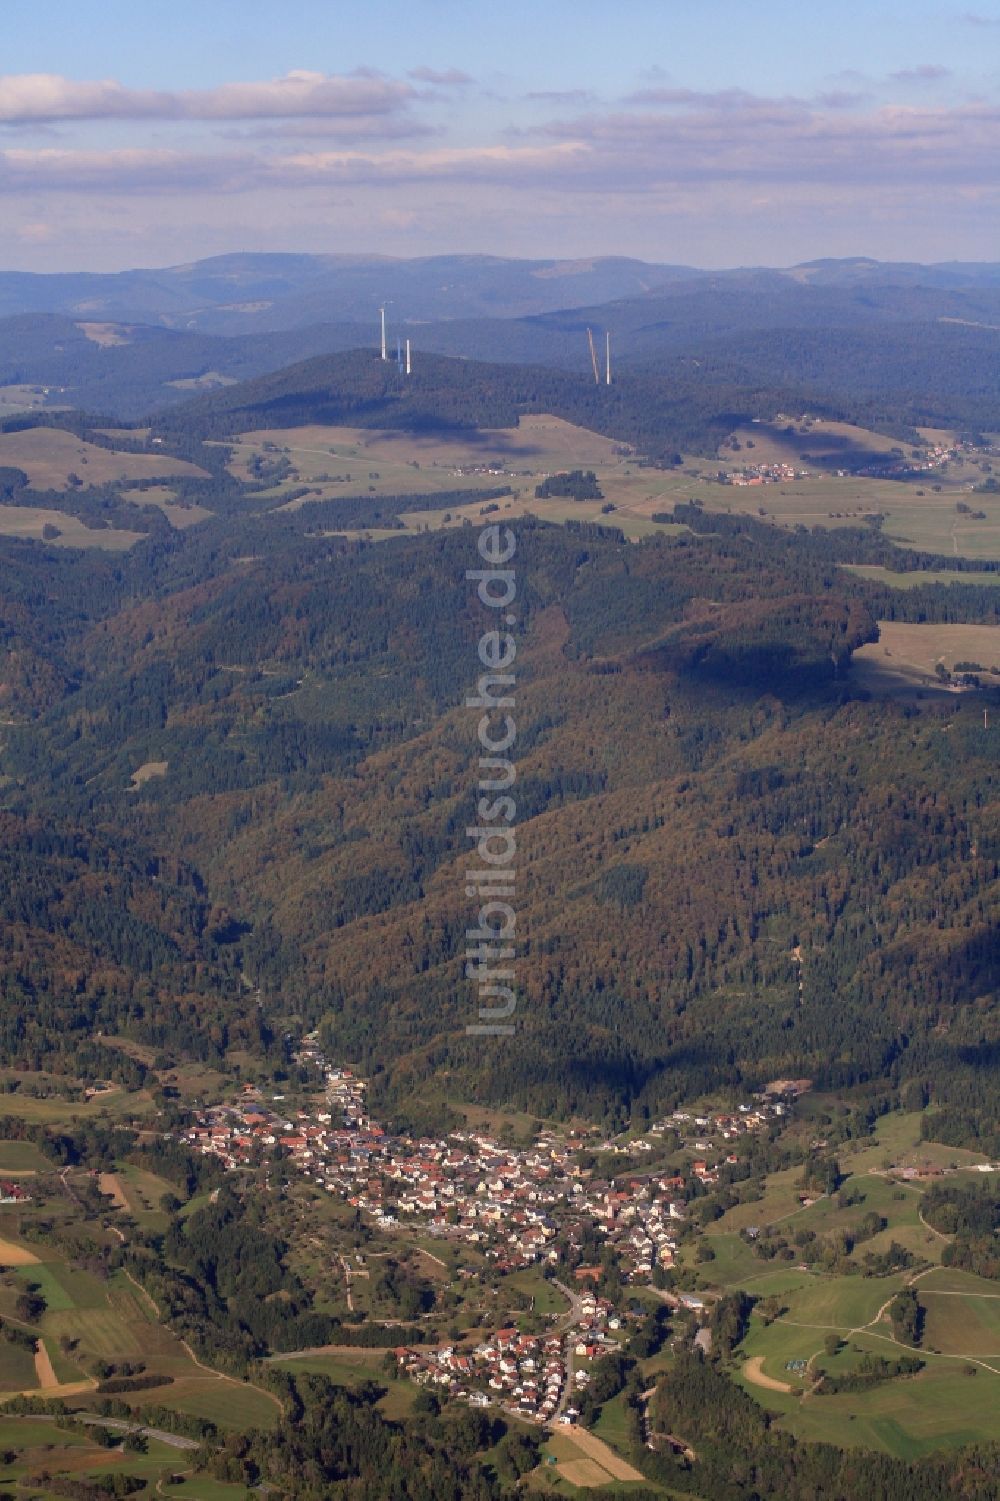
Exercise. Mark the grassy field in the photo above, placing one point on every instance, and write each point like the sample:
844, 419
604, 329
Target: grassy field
779, 1204
30, 521
55, 1108
734, 1264
546, 1299
897, 1144
840, 1303
625, 515
879, 575
612, 1425
352, 1366
23, 1157
804, 443
944, 1405
44, 1448
920, 513
20, 399
940, 1407
914, 517
49, 455
341, 461
143, 1192
231, 1405
872, 1168
949, 1279
347, 1365
961, 1323
898, 1204
17, 1368
204, 1488
45, 1276
355, 461
904, 658
112, 1320
180, 515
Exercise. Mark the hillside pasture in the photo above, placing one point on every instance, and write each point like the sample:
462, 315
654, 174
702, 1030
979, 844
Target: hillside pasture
54, 1109
232, 1405
21, 399
780, 1203
904, 658
17, 1157
920, 576
942, 1406
17, 1368
142, 1192
348, 462
898, 1144
808, 443
957, 1323
420, 462
180, 514
31, 521
36, 1448
914, 516
50, 455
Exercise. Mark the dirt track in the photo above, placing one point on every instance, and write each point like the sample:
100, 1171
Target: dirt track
753, 1372
111, 1184
14, 1255
47, 1377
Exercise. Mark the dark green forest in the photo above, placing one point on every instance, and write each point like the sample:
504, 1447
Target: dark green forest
763, 804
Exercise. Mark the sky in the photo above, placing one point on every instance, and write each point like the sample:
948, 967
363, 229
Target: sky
699, 132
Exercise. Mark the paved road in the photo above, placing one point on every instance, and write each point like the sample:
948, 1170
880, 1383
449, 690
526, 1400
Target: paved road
574, 1313
566, 1325
120, 1425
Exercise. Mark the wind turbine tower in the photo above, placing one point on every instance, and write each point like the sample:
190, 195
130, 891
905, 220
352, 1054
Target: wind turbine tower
382, 316
407, 356
593, 357
607, 357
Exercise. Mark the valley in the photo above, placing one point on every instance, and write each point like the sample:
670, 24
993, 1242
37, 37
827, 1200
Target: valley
729, 1187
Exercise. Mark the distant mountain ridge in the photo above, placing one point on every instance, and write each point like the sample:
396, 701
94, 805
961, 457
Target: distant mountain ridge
920, 341
250, 293
259, 293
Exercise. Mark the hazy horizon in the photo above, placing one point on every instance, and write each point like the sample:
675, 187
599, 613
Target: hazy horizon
581, 258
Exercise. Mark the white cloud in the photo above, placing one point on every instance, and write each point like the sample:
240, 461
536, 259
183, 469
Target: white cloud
354, 158
48, 97
748, 139
124, 171
129, 171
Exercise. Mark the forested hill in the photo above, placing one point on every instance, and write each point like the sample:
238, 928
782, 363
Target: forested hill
658, 414
900, 345
701, 792
678, 390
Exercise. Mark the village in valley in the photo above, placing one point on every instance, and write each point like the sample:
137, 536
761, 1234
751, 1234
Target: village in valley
516, 1206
